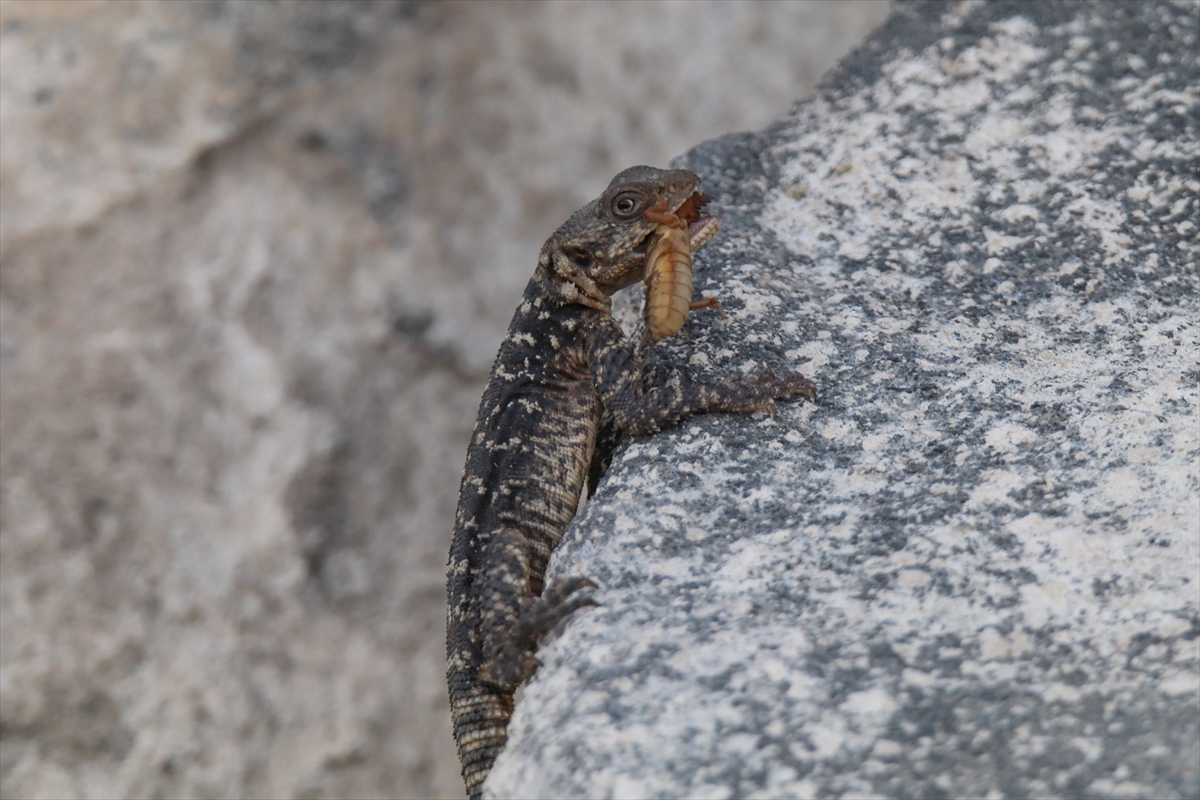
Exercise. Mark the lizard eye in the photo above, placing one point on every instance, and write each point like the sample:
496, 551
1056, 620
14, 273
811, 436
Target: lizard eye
625, 206
579, 256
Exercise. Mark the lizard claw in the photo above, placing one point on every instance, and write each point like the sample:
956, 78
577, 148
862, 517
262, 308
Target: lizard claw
513, 662
559, 601
792, 384
563, 588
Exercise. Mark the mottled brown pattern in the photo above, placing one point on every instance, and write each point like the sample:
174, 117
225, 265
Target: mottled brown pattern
563, 364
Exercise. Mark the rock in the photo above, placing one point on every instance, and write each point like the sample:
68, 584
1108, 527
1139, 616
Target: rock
970, 569
255, 259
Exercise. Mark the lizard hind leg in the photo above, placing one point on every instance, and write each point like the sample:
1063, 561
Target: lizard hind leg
516, 617
560, 600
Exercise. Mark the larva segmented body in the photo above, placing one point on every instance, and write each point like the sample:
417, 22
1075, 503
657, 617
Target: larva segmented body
669, 266
668, 282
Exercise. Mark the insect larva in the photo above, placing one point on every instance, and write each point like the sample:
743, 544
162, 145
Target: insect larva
669, 266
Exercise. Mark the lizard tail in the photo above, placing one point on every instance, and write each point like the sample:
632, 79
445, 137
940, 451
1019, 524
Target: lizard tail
480, 722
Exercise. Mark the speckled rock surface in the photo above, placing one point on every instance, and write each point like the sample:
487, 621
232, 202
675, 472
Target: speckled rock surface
970, 570
255, 261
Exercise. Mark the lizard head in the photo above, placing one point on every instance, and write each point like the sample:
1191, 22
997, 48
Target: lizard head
603, 246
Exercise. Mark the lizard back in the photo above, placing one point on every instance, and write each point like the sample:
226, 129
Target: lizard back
526, 464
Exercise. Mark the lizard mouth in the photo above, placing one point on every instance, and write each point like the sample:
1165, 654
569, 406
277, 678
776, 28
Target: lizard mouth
701, 226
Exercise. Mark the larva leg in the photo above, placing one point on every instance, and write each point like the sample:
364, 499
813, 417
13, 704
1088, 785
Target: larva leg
709, 302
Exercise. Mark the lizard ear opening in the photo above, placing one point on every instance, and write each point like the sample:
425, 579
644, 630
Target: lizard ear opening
579, 257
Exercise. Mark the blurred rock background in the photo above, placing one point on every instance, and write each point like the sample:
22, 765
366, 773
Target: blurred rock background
254, 262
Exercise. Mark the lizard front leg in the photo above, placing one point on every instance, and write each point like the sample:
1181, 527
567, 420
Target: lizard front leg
617, 371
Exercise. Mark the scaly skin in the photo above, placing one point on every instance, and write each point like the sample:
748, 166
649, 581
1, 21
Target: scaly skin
563, 364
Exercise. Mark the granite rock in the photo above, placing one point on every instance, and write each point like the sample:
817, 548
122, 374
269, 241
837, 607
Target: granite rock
255, 259
971, 568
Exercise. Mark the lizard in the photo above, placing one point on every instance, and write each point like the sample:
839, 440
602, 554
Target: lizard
564, 368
